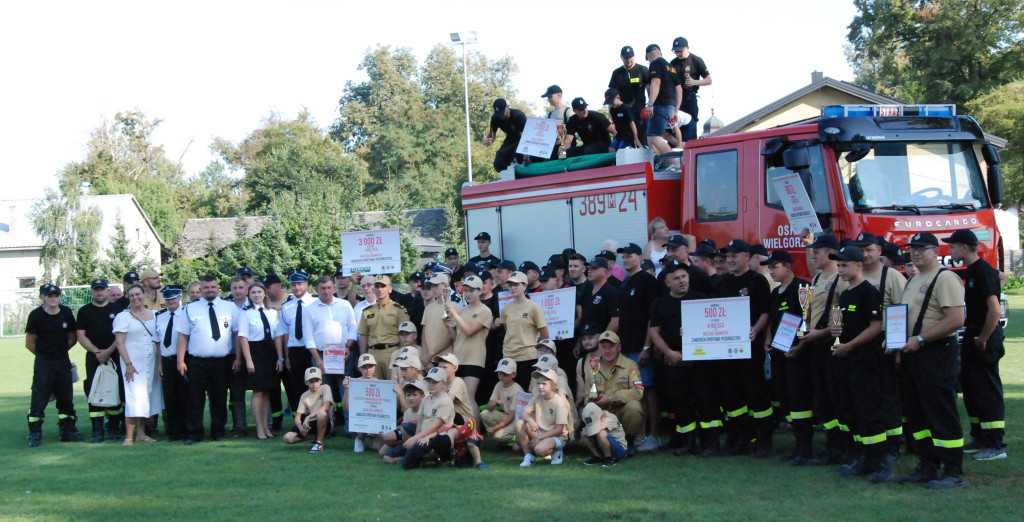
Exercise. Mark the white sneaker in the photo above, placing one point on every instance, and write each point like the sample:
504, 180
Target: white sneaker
527, 461
647, 444
358, 446
556, 457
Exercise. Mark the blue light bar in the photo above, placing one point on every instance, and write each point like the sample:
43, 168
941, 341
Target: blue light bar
847, 111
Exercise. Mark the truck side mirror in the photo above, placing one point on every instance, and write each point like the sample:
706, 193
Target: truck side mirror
796, 158
991, 154
995, 184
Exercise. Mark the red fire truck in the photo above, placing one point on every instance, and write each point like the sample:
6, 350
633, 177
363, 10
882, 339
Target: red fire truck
890, 170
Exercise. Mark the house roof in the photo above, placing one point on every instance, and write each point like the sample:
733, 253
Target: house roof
818, 83
17, 215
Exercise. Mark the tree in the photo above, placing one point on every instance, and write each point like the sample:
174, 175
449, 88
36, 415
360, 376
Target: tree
121, 258
1001, 112
68, 231
936, 51
395, 201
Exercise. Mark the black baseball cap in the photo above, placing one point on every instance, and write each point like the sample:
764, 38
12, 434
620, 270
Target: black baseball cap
99, 284
172, 291
483, 235
578, 104
554, 89
626, 52
547, 274
244, 271
49, 289
671, 265
848, 253
592, 328
757, 249
703, 251
416, 276
825, 241
607, 254
719, 253
892, 252
679, 44
598, 262
271, 279
677, 241
340, 271
451, 252
485, 276
499, 105
430, 266
555, 261
471, 268
737, 246
609, 96
866, 239
527, 266
708, 243
505, 264
646, 264
630, 248
923, 239
963, 237
652, 47
778, 256
131, 277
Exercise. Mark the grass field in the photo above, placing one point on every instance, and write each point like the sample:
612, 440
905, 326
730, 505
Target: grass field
265, 480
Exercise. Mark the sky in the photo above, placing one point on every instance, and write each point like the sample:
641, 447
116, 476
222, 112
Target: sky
219, 68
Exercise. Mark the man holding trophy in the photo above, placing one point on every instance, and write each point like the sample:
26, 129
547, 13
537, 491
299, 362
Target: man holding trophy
613, 383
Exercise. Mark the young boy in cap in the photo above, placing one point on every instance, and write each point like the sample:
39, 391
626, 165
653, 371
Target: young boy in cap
413, 393
367, 370
622, 117
435, 332
407, 335
859, 356
501, 424
463, 434
437, 415
544, 423
605, 437
313, 416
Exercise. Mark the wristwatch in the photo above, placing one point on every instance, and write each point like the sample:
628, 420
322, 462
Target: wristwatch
920, 340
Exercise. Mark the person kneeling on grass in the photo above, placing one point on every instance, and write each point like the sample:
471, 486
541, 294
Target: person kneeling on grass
392, 449
605, 437
500, 424
367, 369
313, 416
437, 416
544, 423
463, 435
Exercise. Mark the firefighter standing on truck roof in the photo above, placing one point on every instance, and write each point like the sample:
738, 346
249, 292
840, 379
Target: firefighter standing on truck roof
513, 123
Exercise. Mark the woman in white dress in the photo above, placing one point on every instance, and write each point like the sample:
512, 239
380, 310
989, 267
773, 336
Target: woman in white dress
133, 335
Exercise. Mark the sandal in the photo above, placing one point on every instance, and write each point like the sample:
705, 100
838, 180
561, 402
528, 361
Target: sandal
127, 442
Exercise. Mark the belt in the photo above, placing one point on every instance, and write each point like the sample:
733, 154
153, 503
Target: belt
384, 346
209, 357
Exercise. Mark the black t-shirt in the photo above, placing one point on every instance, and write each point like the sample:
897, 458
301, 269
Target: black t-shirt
786, 302
592, 129
51, 331
122, 302
662, 70
98, 323
751, 284
666, 315
513, 126
635, 297
599, 307
861, 305
481, 260
631, 84
699, 281
980, 282
622, 116
693, 66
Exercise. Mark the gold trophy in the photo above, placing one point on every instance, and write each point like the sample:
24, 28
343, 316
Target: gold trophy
837, 318
561, 141
804, 293
593, 378
444, 306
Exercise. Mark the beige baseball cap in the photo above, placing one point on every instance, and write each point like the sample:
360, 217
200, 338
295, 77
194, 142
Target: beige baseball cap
473, 282
382, 279
546, 373
313, 373
518, 277
591, 416
407, 327
409, 351
407, 361
417, 385
547, 343
609, 336
439, 279
446, 357
507, 366
149, 273
366, 360
437, 375
547, 362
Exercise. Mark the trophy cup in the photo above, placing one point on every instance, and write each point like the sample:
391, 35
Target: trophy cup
561, 141
804, 293
593, 378
444, 307
837, 318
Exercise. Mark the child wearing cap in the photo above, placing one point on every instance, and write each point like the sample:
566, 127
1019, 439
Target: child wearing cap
463, 435
407, 336
524, 322
409, 369
436, 339
605, 437
313, 416
501, 424
544, 423
391, 449
437, 415
367, 369
468, 330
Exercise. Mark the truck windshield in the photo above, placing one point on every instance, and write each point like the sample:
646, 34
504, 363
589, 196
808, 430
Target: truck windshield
914, 177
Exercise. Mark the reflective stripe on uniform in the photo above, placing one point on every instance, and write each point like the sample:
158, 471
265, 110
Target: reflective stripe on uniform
832, 424
956, 443
993, 425
35, 419
688, 428
96, 414
923, 434
737, 412
843, 427
712, 424
762, 414
973, 420
873, 439
894, 432
806, 414
62, 416
115, 412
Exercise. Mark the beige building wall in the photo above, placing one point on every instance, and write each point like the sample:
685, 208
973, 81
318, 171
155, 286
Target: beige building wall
806, 107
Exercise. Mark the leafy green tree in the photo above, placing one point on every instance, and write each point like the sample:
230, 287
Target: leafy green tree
1001, 112
69, 253
120, 256
935, 51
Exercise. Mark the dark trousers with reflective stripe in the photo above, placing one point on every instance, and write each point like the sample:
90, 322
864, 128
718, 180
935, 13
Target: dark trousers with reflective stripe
299, 359
91, 364
929, 378
175, 398
745, 388
51, 377
983, 388
208, 376
693, 396
799, 380
892, 399
859, 386
825, 392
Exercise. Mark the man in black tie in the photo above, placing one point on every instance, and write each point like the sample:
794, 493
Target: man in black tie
204, 342
297, 356
175, 388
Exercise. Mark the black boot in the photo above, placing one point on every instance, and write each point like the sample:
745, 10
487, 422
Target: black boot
709, 442
115, 426
763, 446
238, 416
68, 431
97, 430
35, 434
686, 445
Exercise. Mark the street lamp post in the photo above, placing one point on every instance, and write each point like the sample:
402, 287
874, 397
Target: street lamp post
470, 39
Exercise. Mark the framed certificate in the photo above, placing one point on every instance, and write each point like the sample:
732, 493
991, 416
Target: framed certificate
895, 326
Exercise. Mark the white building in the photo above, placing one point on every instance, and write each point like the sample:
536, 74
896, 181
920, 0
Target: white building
20, 247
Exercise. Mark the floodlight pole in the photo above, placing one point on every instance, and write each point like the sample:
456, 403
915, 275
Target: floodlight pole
456, 39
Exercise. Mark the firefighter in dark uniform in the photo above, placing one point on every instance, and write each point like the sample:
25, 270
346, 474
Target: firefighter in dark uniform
981, 349
792, 378
49, 335
929, 367
95, 323
175, 388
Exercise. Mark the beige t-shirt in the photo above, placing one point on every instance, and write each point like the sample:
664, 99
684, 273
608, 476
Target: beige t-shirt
522, 324
411, 416
614, 427
435, 333
949, 291
506, 396
460, 397
310, 403
894, 285
550, 413
820, 295
471, 349
440, 407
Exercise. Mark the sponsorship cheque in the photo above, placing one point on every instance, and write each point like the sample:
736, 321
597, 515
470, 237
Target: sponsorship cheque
372, 406
372, 251
716, 329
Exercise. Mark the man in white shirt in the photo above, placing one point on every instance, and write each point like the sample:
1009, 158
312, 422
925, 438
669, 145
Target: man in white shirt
175, 388
297, 358
333, 324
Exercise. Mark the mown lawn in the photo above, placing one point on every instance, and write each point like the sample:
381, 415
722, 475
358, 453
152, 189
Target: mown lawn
265, 480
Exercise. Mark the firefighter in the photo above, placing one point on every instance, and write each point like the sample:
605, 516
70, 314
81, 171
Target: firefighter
49, 335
